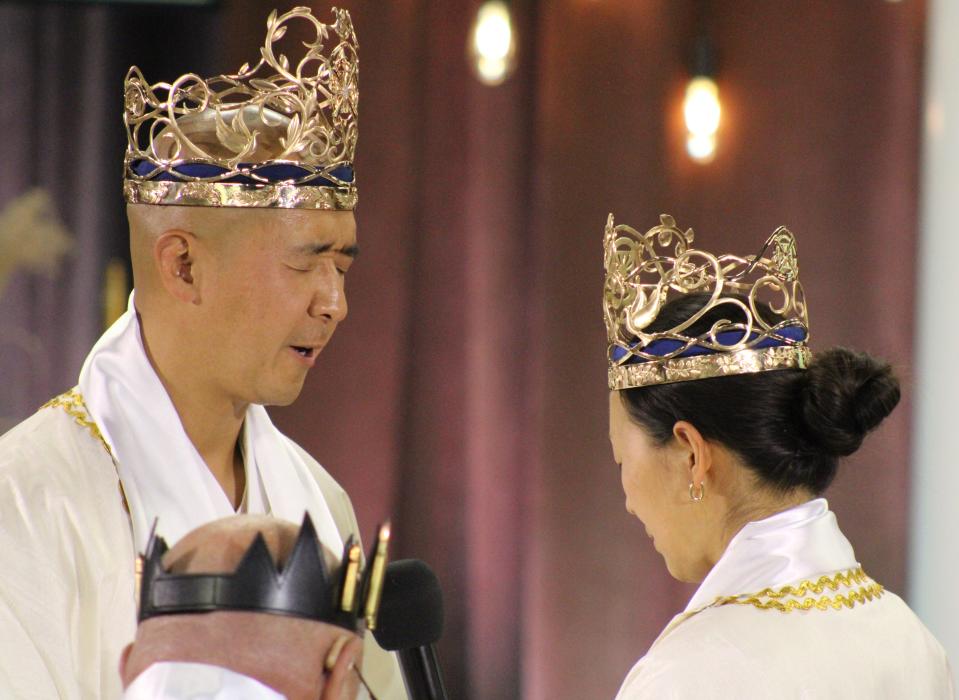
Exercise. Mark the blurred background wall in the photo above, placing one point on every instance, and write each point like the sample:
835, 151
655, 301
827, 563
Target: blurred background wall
465, 396
933, 565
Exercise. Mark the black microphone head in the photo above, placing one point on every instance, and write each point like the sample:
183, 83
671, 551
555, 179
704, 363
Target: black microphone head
411, 610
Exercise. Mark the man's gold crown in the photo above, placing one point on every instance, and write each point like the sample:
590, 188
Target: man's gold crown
272, 135
766, 327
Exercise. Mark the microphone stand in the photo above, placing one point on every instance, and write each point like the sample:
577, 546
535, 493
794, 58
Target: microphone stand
427, 685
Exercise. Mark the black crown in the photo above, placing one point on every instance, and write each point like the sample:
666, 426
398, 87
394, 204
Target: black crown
303, 587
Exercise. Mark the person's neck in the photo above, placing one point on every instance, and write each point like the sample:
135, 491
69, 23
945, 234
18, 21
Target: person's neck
211, 421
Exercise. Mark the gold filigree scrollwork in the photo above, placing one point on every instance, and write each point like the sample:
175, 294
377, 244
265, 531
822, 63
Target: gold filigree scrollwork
628, 257
645, 271
275, 112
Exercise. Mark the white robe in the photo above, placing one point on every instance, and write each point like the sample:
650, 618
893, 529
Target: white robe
714, 649
67, 605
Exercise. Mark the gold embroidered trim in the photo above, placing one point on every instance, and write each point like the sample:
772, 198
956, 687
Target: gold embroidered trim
861, 589
72, 402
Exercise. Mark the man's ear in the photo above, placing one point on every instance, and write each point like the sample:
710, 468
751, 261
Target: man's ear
344, 656
695, 451
174, 252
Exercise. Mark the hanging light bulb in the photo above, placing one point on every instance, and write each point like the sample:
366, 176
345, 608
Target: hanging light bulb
492, 45
702, 111
701, 107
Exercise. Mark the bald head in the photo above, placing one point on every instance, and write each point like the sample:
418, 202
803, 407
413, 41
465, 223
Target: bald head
219, 546
288, 654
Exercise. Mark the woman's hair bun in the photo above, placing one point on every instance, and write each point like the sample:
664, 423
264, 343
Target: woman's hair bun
845, 394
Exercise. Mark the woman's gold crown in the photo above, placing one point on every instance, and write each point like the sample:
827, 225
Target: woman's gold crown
275, 134
767, 326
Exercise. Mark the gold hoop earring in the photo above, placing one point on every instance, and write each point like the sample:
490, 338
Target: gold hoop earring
697, 497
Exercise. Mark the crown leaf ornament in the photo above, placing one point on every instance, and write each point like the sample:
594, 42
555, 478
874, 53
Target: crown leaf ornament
277, 134
766, 326
304, 587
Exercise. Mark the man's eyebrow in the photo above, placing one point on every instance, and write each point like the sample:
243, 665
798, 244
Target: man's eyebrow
350, 251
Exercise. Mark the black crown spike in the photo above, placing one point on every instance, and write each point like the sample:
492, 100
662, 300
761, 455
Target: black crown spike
256, 566
304, 587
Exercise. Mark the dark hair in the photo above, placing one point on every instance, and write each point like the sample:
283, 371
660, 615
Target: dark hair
789, 426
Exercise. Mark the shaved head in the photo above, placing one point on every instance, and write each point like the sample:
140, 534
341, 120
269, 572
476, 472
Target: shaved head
219, 546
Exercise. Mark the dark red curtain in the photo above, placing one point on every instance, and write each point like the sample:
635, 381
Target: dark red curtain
465, 396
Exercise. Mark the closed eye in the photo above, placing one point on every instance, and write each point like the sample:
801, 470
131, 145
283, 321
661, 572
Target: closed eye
342, 257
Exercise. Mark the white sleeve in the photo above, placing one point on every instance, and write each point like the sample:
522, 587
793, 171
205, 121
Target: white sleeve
39, 617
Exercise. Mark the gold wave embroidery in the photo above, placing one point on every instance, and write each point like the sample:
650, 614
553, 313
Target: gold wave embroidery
808, 595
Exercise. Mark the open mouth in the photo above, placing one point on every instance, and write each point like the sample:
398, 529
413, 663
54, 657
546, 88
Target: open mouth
303, 351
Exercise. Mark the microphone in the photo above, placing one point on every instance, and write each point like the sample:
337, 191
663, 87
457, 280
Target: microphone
410, 622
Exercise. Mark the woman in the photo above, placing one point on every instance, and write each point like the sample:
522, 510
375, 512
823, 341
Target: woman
727, 430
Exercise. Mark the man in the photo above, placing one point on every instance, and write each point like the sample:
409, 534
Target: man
240, 193
191, 645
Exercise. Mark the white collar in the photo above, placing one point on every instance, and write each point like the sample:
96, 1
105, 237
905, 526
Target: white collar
163, 475
175, 680
800, 543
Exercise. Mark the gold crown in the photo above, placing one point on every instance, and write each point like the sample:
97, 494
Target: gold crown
644, 272
274, 135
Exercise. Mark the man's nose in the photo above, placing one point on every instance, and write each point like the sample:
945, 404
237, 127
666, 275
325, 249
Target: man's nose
329, 297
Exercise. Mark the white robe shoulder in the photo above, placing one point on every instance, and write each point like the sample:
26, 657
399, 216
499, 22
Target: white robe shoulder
876, 650
787, 612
